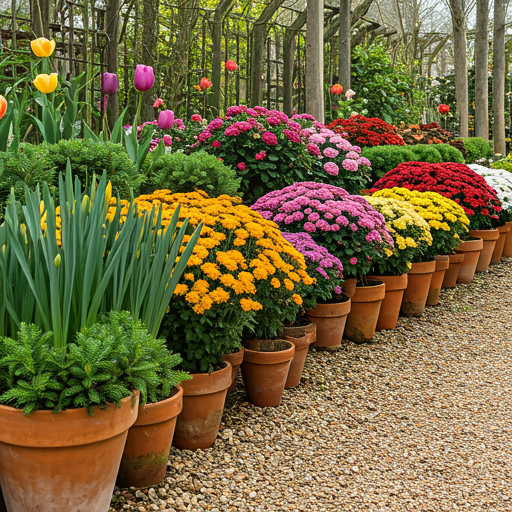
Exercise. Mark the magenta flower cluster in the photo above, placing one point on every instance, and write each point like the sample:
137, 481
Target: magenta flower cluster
346, 225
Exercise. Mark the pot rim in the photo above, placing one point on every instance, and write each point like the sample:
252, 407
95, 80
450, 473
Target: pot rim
470, 245
336, 309
394, 283
208, 383
72, 427
264, 357
158, 412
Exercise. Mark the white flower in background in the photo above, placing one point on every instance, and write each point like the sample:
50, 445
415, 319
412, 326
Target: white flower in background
349, 94
435, 83
500, 180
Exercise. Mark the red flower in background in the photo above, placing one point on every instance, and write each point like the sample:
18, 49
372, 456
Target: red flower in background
231, 65
443, 109
336, 89
205, 83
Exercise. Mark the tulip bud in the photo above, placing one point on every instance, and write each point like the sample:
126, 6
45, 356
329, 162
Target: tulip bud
167, 140
108, 193
41, 208
85, 204
109, 83
165, 119
57, 261
3, 106
144, 78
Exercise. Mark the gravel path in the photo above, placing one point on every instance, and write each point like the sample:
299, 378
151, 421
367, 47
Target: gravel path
419, 420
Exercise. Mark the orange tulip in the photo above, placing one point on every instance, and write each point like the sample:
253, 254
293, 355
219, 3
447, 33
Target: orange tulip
3, 106
336, 89
42, 47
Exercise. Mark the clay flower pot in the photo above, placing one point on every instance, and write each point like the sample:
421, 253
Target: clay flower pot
507, 248
500, 243
265, 370
349, 287
363, 317
66, 461
442, 265
471, 250
490, 237
299, 331
203, 403
330, 322
235, 360
418, 285
146, 452
301, 351
451, 273
390, 307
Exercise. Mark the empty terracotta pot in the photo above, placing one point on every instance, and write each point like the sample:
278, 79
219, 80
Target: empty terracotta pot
364, 314
471, 249
390, 307
149, 440
507, 249
265, 370
418, 285
330, 322
489, 237
450, 276
301, 351
62, 462
442, 265
235, 360
349, 287
500, 243
203, 403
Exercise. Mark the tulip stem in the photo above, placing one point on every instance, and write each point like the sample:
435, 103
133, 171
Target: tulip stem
138, 110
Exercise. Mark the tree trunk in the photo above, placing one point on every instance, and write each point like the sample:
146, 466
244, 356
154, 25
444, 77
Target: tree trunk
344, 62
315, 59
40, 18
481, 70
460, 63
150, 53
258, 47
498, 77
112, 29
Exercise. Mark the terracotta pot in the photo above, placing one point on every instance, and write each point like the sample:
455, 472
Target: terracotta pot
301, 351
442, 265
298, 331
490, 237
330, 323
349, 287
203, 403
146, 452
265, 369
390, 307
500, 243
507, 249
363, 317
471, 250
450, 275
235, 360
67, 461
418, 285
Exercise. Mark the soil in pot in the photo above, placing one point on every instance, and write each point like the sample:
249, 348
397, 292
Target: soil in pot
146, 452
489, 237
507, 248
301, 351
500, 243
418, 285
62, 462
330, 319
451, 274
390, 307
265, 370
364, 314
471, 249
203, 403
442, 265
235, 360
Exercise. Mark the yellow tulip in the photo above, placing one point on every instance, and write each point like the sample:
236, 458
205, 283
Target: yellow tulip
46, 83
42, 47
108, 194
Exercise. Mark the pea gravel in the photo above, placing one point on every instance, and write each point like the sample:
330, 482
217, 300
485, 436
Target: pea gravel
419, 420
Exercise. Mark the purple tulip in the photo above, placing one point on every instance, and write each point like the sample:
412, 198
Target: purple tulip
165, 119
144, 78
109, 83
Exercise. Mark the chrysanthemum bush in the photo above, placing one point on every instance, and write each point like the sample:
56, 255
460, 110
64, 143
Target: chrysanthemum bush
270, 150
367, 131
447, 220
410, 232
501, 181
347, 226
453, 181
243, 278
322, 265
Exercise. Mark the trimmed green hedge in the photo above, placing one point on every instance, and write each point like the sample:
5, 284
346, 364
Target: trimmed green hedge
477, 148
